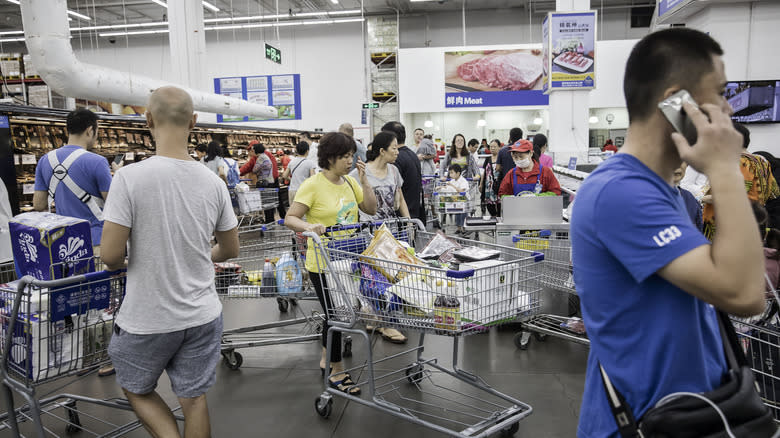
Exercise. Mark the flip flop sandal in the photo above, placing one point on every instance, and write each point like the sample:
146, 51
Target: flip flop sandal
345, 385
396, 338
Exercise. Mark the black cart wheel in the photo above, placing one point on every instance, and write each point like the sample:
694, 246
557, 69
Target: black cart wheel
283, 304
414, 373
511, 430
519, 343
347, 351
323, 407
293, 301
236, 361
541, 337
74, 422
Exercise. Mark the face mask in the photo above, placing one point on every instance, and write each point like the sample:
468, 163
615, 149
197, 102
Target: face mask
522, 164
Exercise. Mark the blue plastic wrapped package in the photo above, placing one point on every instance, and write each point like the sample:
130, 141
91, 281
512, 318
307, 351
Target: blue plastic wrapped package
374, 286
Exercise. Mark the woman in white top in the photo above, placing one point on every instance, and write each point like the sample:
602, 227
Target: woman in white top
298, 169
214, 161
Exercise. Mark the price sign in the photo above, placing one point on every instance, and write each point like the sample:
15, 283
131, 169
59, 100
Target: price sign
28, 159
273, 54
28, 189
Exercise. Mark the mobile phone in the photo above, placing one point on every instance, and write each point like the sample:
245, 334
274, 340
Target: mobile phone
119, 158
672, 109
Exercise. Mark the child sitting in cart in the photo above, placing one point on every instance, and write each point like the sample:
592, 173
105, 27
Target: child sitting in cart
459, 184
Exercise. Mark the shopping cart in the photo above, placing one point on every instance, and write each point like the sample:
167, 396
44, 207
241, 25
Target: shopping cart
557, 275
52, 330
242, 279
428, 187
452, 302
252, 204
446, 201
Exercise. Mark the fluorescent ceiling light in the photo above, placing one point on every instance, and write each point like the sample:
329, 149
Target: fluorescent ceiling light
161, 3
251, 18
348, 20
77, 15
136, 32
122, 26
428, 124
211, 7
11, 40
12, 32
16, 2
593, 119
481, 123
345, 12
335, 2
310, 14
538, 121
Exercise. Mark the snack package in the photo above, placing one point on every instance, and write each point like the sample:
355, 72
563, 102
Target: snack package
472, 253
386, 248
375, 287
439, 246
346, 274
415, 291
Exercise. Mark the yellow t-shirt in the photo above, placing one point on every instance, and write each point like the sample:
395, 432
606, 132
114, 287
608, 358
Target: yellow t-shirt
329, 204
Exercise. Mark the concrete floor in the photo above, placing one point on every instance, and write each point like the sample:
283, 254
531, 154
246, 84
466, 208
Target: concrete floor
273, 392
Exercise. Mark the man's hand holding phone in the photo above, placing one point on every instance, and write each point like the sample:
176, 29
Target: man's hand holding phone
718, 144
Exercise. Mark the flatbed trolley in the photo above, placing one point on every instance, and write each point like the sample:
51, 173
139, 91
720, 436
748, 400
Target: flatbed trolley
241, 279
52, 330
454, 303
557, 275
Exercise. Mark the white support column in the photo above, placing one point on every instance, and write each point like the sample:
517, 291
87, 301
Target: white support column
569, 110
188, 43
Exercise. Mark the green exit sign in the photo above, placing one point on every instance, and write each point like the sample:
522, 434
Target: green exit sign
273, 54
370, 105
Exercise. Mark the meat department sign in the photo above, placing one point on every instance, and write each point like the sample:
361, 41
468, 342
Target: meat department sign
569, 51
484, 78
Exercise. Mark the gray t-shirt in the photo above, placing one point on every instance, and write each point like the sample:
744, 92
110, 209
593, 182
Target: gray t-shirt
172, 207
300, 169
384, 189
427, 148
215, 164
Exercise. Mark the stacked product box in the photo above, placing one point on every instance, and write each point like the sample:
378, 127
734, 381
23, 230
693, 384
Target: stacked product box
38, 95
29, 68
11, 65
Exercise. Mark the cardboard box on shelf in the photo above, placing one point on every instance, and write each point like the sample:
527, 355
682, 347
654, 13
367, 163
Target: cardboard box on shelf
38, 95
49, 246
11, 67
29, 68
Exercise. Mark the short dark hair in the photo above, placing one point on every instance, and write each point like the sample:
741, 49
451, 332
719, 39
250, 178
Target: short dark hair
383, 140
301, 148
226, 152
419, 129
473, 141
201, 148
79, 120
742, 129
334, 145
456, 168
306, 134
213, 151
259, 148
671, 57
515, 134
398, 129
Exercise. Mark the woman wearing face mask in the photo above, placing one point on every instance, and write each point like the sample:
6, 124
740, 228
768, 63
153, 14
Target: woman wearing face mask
528, 176
459, 154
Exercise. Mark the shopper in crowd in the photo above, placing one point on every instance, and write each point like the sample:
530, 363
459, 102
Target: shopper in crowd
418, 136
284, 158
473, 147
760, 184
275, 184
171, 317
772, 205
411, 171
484, 147
540, 150
771, 246
299, 169
313, 146
505, 162
330, 198
200, 151
459, 154
231, 165
488, 185
426, 152
691, 204
360, 151
528, 175
263, 173
246, 168
609, 146
214, 161
646, 281
87, 174
459, 184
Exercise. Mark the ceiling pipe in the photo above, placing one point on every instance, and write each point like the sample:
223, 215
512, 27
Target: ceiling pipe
47, 36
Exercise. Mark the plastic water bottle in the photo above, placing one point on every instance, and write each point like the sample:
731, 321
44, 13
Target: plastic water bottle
268, 286
288, 275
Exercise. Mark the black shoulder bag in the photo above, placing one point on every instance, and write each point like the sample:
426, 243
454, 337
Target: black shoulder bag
734, 409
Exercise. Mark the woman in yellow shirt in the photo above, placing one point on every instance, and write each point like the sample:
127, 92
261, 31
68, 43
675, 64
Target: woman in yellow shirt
330, 198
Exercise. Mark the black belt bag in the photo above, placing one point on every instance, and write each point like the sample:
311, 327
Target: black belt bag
735, 405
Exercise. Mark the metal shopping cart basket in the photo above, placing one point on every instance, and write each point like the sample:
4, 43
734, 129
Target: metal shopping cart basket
450, 302
52, 330
252, 204
242, 279
557, 275
428, 187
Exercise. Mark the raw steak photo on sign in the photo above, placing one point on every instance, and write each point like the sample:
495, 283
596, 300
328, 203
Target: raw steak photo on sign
514, 71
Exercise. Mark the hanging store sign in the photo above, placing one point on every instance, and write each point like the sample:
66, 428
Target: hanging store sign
666, 6
372, 105
570, 40
484, 78
4, 122
273, 54
282, 92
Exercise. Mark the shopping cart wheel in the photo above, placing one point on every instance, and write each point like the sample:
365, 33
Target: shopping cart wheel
521, 341
293, 301
74, 422
511, 430
541, 337
414, 373
283, 304
347, 351
233, 360
323, 406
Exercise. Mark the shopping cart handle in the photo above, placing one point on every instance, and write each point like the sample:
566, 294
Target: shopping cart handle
280, 222
88, 277
538, 256
344, 227
466, 273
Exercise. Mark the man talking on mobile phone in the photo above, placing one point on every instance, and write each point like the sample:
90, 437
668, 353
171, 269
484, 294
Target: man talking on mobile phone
648, 282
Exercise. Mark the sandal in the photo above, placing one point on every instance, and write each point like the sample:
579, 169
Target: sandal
345, 385
392, 335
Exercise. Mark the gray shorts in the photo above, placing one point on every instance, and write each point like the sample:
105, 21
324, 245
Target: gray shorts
189, 356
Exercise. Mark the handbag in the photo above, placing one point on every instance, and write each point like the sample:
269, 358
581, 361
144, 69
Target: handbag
734, 409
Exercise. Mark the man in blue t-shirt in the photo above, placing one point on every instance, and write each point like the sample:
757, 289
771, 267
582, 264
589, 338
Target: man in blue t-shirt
504, 160
90, 172
647, 278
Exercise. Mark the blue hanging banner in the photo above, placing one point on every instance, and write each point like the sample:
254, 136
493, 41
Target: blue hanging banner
282, 92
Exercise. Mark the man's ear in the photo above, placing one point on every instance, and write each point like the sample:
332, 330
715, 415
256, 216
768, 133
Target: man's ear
671, 90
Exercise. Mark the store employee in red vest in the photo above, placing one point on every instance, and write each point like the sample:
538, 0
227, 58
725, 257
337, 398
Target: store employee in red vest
528, 176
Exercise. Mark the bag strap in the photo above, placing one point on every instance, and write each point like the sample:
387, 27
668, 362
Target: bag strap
60, 174
292, 172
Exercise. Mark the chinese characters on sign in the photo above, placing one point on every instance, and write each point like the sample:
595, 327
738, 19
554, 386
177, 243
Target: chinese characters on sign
282, 92
570, 50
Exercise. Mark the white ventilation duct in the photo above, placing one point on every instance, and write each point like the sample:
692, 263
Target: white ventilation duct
47, 36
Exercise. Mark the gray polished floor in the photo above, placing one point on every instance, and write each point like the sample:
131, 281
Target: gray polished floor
273, 392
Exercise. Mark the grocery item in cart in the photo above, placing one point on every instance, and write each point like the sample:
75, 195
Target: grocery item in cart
268, 286
227, 274
288, 275
440, 247
375, 287
415, 291
446, 310
473, 254
49, 246
38, 302
384, 247
574, 325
